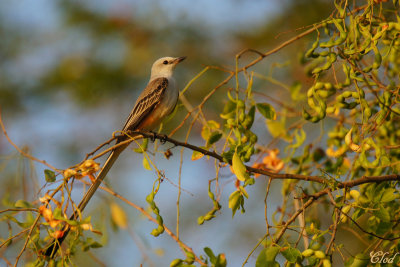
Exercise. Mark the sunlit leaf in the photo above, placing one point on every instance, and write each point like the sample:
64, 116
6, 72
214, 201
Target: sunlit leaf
22, 204
235, 201
277, 129
197, 155
238, 168
146, 163
389, 195
267, 256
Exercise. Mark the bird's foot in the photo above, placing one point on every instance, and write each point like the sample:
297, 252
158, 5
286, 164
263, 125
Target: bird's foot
163, 138
152, 136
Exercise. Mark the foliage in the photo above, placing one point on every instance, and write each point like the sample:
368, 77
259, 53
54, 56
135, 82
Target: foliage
350, 172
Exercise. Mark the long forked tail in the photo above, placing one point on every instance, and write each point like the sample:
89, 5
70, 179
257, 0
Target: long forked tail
55, 244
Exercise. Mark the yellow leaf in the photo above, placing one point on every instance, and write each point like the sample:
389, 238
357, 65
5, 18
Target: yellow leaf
118, 216
238, 168
277, 129
86, 226
146, 164
197, 155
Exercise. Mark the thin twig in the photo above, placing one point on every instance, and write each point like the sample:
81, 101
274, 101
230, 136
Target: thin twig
19, 209
145, 213
335, 224
27, 239
20, 150
99, 147
273, 175
298, 212
14, 236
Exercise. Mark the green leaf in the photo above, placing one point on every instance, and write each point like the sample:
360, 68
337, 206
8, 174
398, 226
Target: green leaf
208, 129
49, 175
90, 243
213, 138
175, 263
382, 214
267, 111
357, 213
146, 164
300, 137
22, 204
243, 191
291, 254
267, 256
248, 121
143, 146
210, 254
229, 107
238, 168
360, 260
295, 92
96, 244
389, 195
235, 200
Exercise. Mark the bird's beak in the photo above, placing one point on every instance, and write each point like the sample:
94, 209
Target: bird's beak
179, 59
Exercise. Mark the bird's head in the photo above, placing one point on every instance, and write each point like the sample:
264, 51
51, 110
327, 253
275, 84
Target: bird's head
164, 67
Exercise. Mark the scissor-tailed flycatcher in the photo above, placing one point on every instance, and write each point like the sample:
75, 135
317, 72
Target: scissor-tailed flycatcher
157, 100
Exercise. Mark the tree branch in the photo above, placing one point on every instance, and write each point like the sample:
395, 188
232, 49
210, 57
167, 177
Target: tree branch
273, 175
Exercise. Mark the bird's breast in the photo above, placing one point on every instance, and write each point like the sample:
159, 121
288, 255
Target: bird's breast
163, 109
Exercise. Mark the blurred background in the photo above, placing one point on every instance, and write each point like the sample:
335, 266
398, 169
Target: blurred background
70, 72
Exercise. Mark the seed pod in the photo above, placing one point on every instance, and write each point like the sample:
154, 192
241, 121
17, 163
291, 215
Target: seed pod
386, 97
248, 122
326, 263
209, 216
316, 70
378, 59
346, 208
328, 86
307, 253
318, 85
310, 92
253, 138
241, 116
346, 94
330, 110
240, 104
367, 112
310, 52
354, 194
319, 254
230, 122
355, 95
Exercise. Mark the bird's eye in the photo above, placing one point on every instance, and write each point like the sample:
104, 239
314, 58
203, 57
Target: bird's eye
165, 62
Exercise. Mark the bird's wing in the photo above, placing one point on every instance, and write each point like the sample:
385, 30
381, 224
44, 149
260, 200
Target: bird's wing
147, 101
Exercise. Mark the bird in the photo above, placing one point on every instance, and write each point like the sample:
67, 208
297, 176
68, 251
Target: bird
157, 100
